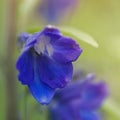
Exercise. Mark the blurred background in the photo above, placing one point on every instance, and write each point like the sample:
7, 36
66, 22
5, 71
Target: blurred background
99, 18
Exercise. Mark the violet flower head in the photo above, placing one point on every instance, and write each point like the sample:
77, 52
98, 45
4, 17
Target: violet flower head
53, 10
45, 63
22, 39
80, 100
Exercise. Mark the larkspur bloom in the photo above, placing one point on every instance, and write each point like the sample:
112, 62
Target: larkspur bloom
45, 63
22, 39
80, 100
52, 11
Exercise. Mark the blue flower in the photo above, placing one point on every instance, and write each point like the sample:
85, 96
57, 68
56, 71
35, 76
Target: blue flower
52, 11
22, 39
80, 100
46, 62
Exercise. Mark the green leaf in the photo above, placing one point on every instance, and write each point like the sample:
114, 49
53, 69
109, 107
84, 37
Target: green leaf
80, 35
111, 108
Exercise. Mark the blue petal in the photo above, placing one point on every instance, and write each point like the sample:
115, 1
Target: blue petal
22, 38
41, 92
89, 115
33, 39
28, 74
25, 66
94, 95
54, 74
65, 50
50, 30
60, 112
74, 90
69, 93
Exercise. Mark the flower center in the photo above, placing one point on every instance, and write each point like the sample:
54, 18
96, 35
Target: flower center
43, 46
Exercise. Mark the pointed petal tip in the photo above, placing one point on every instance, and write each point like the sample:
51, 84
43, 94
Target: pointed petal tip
41, 92
44, 100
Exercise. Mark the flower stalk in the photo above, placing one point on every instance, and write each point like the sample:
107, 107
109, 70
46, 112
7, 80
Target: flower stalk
11, 92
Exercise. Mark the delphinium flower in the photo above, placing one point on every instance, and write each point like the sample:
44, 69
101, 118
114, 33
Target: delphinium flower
52, 11
45, 63
22, 39
80, 100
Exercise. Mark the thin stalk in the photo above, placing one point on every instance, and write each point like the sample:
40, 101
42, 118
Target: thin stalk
25, 104
11, 91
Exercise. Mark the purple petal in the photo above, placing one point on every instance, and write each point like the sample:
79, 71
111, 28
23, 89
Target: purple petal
58, 112
93, 95
23, 37
33, 39
54, 74
74, 90
48, 30
69, 93
28, 74
89, 115
52, 32
25, 66
65, 50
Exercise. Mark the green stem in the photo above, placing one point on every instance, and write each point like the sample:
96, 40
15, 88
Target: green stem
25, 104
11, 91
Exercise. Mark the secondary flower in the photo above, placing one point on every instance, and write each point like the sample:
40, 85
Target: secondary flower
80, 100
52, 11
46, 62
